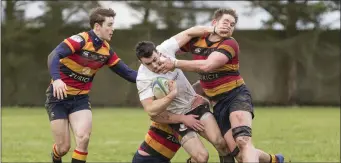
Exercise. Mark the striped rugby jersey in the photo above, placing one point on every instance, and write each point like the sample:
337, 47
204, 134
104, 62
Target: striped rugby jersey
222, 80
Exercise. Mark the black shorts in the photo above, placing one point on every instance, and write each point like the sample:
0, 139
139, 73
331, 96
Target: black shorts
60, 109
200, 111
235, 100
138, 158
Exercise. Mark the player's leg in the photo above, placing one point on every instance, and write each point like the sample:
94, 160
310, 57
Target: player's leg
81, 124
194, 147
241, 115
213, 135
263, 156
59, 124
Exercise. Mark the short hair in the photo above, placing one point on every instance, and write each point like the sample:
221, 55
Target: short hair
98, 15
220, 12
144, 49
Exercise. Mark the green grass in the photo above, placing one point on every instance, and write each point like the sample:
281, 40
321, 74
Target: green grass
301, 134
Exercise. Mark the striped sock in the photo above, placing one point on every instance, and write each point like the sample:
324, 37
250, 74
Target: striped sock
56, 158
272, 158
79, 157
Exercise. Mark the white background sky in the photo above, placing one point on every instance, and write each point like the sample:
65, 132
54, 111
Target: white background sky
126, 17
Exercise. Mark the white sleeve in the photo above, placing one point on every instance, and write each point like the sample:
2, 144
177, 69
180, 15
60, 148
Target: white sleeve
144, 88
169, 47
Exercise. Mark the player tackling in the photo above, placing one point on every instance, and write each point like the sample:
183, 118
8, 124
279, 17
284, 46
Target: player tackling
182, 98
216, 60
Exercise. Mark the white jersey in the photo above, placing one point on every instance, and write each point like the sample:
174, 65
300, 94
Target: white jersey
186, 94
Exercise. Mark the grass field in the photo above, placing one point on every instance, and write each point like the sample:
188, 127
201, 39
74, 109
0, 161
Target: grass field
301, 134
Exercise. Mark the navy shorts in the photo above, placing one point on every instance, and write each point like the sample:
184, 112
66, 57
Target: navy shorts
138, 158
60, 109
235, 100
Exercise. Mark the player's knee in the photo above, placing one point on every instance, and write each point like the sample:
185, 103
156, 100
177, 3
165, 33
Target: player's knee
201, 156
242, 135
220, 144
63, 149
83, 139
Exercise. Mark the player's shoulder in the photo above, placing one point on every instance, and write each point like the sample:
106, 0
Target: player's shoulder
229, 41
80, 37
143, 73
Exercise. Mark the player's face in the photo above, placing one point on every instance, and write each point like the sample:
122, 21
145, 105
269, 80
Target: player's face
227, 21
107, 28
153, 62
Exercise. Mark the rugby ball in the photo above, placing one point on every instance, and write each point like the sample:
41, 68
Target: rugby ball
160, 87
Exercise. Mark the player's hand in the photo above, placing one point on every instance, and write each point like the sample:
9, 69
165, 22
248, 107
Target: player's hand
172, 88
166, 65
222, 31
59, 89
191, 122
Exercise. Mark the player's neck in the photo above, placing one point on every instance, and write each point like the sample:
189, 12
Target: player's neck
97, 34
214, 38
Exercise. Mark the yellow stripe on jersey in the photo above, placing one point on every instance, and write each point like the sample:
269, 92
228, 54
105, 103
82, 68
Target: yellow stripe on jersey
74, 91
90, 47
69, 44
74, 66
159, 147
229, 49
114, 63
223, 88
163, 127
228, 67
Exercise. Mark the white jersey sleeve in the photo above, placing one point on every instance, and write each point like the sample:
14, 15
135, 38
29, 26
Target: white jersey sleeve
144, 83
168, 47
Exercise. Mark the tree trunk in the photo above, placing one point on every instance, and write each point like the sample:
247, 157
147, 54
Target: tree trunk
292, 63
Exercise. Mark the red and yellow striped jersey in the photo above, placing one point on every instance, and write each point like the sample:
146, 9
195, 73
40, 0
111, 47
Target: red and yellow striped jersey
220, 81
161, 140
85, 55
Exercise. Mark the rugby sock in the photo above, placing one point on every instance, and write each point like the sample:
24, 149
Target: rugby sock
56, 158
272, 158
79, 157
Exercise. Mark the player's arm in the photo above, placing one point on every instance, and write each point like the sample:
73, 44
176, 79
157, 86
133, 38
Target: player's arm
171, 118
64, 49
197, 31
172, 45
156, 107
168, 118
226, 51
120, 68
151, 105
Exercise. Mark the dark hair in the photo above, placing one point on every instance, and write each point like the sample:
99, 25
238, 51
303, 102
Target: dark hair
144, 49
99, 14
220, 12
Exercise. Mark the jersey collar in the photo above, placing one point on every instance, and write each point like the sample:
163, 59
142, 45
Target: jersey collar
97, 42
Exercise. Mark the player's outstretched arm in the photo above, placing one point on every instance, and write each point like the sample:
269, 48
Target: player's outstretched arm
188, 120
124, 71
120, 68
226, 51
197, 31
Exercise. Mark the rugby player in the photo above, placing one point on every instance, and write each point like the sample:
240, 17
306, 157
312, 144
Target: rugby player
216, 59
181, 99
72, 66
